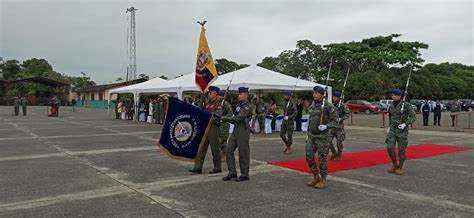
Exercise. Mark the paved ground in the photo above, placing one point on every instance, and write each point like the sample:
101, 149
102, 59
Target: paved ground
89, 164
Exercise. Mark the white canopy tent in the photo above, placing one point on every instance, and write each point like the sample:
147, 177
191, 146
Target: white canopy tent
254, 77
155, 82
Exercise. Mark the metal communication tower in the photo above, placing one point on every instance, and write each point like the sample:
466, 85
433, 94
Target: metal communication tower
132, 56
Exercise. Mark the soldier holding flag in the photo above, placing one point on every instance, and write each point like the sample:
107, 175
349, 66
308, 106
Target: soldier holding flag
212, 105
239, 138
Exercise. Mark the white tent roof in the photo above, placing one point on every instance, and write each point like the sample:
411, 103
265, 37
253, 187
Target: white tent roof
253, 77
155, 82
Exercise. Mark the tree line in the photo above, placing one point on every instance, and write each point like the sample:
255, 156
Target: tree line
377, 65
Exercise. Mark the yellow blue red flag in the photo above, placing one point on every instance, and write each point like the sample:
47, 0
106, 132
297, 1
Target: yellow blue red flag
206, 71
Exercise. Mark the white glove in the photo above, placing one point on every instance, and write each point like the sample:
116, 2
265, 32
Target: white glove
285, 118
322, 127
388, 129
306, 141
339, 120
402, 126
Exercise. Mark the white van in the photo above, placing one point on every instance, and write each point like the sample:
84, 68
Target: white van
385, 104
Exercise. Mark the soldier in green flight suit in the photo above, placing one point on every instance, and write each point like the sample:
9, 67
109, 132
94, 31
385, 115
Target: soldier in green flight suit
342, 112
398, 130
239, 138
321, 120
261, 113
288, 124
224, 129
212, 105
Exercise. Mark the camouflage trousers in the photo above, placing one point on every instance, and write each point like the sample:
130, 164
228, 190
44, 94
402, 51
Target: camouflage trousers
397, 138
223, 136
320, 145
340, 135
287, 129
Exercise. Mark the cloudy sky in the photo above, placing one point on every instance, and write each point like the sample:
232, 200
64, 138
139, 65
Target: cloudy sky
90, 36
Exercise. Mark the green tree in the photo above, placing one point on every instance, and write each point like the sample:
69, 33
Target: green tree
224, 66
36, 67
143, 76
10, 69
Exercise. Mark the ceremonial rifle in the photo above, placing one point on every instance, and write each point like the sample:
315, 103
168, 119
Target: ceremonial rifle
228, 87
343, 87
325, 94
406, 92
292, 91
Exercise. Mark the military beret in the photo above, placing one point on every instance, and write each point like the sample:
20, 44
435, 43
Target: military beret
221, 93
318, 89
397, 92
336, 93
288, 93
214, 89
243, 89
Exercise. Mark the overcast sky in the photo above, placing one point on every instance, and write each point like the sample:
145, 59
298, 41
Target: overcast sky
90, 36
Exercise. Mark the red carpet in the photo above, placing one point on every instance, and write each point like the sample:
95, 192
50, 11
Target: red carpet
362, 159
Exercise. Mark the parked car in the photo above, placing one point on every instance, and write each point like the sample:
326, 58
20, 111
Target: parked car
466, 104
376, 103
385, 104
447, 104
362, 106
417, 103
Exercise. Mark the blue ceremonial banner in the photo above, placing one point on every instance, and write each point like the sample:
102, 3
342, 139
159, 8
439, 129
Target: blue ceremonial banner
184, 130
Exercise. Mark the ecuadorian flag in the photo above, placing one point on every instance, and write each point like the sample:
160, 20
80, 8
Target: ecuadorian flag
206, 71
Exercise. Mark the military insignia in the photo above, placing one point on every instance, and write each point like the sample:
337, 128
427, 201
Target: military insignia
246, 108
237, 109
182, 131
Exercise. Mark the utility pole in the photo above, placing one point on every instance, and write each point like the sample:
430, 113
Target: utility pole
3, 66
132, 56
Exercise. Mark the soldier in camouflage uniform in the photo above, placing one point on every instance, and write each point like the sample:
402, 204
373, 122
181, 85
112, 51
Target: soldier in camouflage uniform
212, 105
455, 107
261, 113
319, 137
224, 129
288, 124
239, 138
398, 130
342, 112
16, 105
24, 104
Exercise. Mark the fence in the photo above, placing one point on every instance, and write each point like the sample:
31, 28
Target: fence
95, 103
462, 120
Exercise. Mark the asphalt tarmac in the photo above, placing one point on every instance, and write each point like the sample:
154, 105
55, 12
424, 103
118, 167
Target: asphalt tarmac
87, 163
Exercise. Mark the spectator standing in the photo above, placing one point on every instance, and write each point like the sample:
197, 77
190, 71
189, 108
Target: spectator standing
426, 110
437, 113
